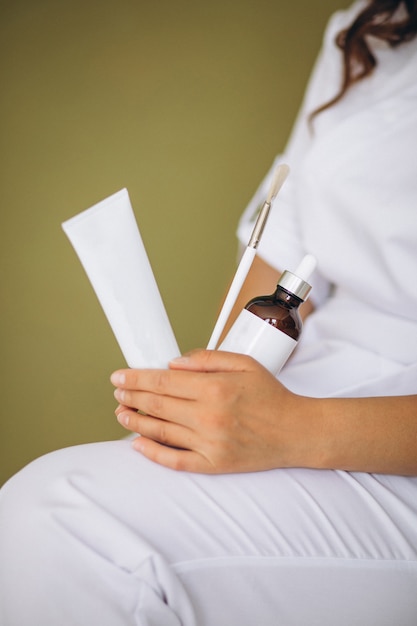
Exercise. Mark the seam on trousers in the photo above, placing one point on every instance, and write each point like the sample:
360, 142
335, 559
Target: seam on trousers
296, 561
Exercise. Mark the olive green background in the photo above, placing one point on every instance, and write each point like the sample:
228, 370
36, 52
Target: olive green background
183, 102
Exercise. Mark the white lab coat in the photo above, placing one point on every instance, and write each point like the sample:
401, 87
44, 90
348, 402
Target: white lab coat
351, 200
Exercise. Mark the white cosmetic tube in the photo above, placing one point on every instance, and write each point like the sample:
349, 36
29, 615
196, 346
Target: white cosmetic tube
108, 243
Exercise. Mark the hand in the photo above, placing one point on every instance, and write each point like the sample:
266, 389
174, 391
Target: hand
211, 412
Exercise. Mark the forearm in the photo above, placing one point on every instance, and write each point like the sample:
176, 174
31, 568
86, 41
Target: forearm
220, 412
364, 434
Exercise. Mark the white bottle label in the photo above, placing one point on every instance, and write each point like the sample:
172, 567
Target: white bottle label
253, 336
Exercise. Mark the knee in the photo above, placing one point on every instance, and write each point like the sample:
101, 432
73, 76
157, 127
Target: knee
21, 496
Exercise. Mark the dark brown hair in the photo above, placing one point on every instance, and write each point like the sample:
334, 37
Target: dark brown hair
376, 20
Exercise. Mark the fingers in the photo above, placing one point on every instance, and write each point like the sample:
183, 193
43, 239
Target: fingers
159, 382
180, 460
213, 361
175, 410
163, 442
203, 385
162, 431
153, 390
172, 382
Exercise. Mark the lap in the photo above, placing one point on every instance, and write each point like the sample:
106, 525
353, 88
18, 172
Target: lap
277, 541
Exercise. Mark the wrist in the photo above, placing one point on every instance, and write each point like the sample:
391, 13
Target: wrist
311, 446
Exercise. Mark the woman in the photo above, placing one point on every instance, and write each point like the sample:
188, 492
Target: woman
312, 516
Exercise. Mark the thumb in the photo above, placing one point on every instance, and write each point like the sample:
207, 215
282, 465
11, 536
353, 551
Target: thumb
213, 361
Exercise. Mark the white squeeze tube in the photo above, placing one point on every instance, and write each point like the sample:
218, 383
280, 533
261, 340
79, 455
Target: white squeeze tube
108, 243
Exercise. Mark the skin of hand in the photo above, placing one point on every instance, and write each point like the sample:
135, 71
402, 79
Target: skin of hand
213, 412
218, 412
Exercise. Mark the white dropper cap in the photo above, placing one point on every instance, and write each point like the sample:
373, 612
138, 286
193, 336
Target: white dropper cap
296, 282
306, 267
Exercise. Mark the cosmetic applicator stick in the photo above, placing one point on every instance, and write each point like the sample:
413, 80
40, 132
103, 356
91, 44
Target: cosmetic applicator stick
246, 261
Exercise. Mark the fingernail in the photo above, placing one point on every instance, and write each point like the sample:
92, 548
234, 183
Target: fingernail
119, 394
137, 444
123, 419
118, 378
180, 359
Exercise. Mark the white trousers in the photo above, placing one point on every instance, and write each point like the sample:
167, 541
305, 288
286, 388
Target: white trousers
96, 534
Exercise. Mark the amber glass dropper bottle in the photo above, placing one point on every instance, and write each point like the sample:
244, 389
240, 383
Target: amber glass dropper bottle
269, 327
